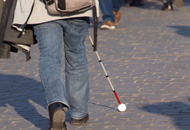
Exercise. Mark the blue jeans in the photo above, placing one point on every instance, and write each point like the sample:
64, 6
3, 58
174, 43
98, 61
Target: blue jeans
108, 6
50, 36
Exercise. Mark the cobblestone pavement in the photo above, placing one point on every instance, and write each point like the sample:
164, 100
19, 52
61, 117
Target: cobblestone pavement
148, 60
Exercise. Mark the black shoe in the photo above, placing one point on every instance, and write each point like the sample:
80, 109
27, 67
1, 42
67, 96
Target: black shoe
136, 3
80, 121
57, 117
167, 6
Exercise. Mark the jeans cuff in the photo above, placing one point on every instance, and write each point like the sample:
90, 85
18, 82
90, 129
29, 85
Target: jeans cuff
65, 106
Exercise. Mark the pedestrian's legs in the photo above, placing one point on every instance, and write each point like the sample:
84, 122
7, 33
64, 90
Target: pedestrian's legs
117, 4
49, 36
76, 67
106, 7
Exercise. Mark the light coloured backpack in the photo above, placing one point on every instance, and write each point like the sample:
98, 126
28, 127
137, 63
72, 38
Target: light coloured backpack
68, 7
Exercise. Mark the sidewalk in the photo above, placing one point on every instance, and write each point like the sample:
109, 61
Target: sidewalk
148, 60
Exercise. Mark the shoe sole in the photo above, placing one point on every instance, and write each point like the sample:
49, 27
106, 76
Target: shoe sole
81, 122
168, 9
106, 27
58, 120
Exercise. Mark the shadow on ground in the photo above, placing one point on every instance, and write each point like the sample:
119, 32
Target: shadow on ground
101, 105
179, 112
18, 92
182, 30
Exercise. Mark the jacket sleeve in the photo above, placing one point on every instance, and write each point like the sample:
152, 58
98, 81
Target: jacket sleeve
9, 40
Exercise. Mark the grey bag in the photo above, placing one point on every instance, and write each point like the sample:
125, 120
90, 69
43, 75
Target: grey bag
68, 7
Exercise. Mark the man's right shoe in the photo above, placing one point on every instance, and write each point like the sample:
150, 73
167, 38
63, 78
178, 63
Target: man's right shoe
108, 25
57, 117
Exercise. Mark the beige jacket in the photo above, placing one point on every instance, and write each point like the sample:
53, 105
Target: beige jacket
39, 13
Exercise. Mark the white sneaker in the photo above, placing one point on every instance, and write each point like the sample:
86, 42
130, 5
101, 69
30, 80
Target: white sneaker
108, 25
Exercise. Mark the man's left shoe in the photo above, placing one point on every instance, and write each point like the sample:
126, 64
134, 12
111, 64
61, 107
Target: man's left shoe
57, 117
80, 121
117, 16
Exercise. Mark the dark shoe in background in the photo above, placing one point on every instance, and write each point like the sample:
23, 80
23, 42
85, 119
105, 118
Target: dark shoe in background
80, 121
125, 1
167, 6
137, 3
57, 117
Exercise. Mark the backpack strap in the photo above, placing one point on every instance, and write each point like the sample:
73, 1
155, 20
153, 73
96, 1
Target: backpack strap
21, 29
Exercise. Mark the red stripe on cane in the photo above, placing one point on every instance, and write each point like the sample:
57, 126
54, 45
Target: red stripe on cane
117, 97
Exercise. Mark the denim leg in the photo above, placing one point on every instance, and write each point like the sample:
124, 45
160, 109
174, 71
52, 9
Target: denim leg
76, 67
50, 38
106, 7
117, 4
